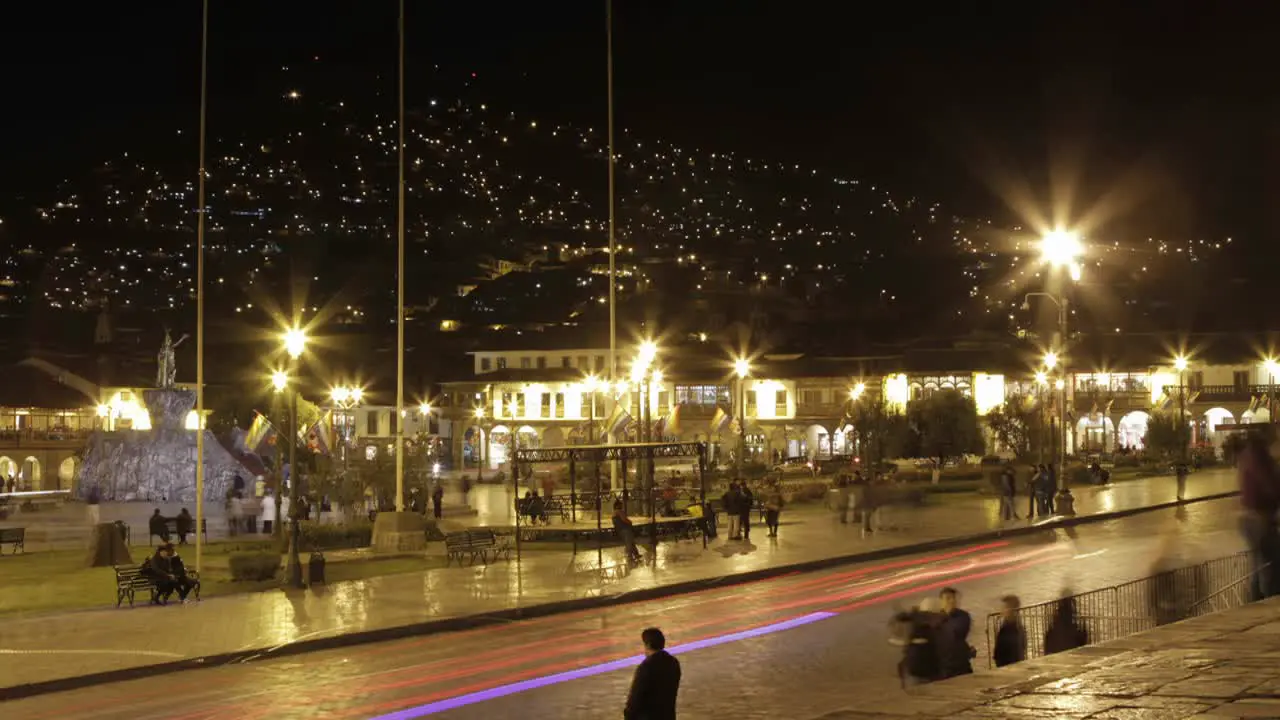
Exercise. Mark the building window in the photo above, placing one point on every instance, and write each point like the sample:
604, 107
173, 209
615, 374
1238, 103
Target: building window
560, 403
566, 361
371, 422
810, 397
584, 363
1240, 379
526, 363
599, 363
703, 395
546, 406
486, 364
502, 363
664, 400
1195, 380
391, 416
542, 363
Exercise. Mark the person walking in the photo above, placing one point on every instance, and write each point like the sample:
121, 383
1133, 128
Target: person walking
730, 503
626, 531
1065, 632
916, 630
954, 651
1050, 486
746, 503
268, 512
656, 683
1033, 491
1260, 501
772, 509
437, 500
1011, 638
1008, 494
93, 504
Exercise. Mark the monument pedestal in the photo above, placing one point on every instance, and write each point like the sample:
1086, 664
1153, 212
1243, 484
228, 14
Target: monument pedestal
107, 547
399, 532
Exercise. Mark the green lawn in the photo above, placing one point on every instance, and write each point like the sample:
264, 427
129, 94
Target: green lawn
58, 580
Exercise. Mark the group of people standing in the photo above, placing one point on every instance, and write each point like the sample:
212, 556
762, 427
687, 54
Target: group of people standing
739, 501
1041, 487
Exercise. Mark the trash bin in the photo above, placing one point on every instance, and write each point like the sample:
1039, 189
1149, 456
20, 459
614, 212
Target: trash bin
315, 569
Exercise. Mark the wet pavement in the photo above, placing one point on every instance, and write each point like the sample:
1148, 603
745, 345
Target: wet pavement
1218, 666
795, 646
45, 647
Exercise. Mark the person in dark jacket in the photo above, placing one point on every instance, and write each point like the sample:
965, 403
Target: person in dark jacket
730, 501
916, 631
954, 651
1008, 493
159, 526
1260, 501
746, 503
656, 682
184, 522
1011, 638
1065, 632
437, 499
160, 570
626, 531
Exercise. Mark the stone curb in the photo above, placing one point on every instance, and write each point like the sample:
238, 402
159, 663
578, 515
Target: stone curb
468, 622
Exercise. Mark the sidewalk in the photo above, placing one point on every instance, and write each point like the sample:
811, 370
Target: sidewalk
1217, 666
46, 647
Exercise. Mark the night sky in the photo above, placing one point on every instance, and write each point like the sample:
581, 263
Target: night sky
1148, 118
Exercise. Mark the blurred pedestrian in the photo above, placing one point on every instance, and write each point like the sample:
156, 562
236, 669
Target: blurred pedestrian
268, 512
772, 509
93, 502
1065, 631
437, 500
730, 501
915, 630
656, 683
626, 531
746, 503
1011, 638
954, 650
1008, 493
1260, 499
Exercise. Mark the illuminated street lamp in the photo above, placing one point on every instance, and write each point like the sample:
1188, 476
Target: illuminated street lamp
1272, 368
481, 441
344, 398
1062, 248
295, 343
741, 368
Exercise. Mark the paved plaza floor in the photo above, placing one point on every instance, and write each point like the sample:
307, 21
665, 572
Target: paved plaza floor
1217, 666
35, 648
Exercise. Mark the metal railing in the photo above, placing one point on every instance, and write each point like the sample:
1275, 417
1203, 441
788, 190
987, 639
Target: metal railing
1122, 610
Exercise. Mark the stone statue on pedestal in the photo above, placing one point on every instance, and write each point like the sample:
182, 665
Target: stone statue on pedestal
166, 367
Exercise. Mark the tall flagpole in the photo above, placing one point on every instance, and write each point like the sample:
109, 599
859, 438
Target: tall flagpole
400, 293
613, 245
200, 212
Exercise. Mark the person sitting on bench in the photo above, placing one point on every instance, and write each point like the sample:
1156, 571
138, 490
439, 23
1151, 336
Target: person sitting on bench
159, 526
161, 571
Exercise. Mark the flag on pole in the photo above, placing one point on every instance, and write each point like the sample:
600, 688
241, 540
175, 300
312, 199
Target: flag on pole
261, 433
1107, 411
734, 427
618, 420
719, 420
1253, 403
659, 427
673, 421
316, 438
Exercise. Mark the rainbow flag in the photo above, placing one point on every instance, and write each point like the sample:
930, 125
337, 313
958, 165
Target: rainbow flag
719, 420
316, 437
261, 433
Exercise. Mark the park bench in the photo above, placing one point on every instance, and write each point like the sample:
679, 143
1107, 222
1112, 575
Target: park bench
171, 525
129, 580
558, 506
14, 537
477, 543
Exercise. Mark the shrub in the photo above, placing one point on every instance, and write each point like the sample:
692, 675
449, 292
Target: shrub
317, 536
254, 567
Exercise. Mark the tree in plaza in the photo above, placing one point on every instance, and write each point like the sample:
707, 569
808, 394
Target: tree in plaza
1019, 424
1166, 436
947, 425
882, 433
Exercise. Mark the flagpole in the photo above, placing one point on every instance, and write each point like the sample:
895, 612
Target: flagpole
613, 246
400, 291
200, 212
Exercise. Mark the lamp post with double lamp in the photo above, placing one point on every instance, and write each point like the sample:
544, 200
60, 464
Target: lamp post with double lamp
344, 399
742, 369
1180, 364
295, 343
591, 384
480, 443
856, 391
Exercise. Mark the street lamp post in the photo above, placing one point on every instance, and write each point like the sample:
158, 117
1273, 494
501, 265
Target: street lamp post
344, 399
742, 369
1180, 364
481, 441
1272, 368
855, 393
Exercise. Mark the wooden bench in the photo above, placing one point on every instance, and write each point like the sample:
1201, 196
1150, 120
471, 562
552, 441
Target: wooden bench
129, 580
477, 543
171, 525
15, 537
